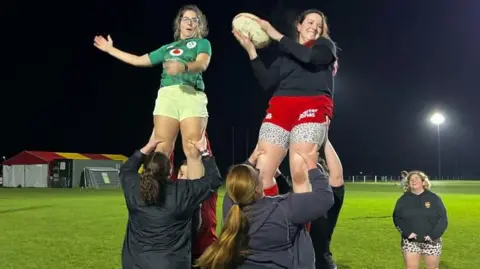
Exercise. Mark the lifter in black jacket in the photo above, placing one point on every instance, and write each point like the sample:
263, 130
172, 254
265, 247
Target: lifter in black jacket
160, 210
421, 218
302, 106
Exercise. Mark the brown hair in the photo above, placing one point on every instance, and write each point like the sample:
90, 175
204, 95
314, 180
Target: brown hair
156, 169
325, 30
243, 187
202, 28
423, 177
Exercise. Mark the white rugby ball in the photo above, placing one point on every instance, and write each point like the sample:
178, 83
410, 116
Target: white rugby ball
245, 24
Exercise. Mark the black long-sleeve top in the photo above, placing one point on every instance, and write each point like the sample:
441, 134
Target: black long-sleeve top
423, 214
160, 236
299, 70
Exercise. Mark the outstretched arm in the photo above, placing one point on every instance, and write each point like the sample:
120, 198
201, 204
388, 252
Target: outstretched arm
139, 61
335, 169
305, 207
106, 45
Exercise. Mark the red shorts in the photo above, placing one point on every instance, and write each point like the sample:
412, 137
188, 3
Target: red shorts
297, 119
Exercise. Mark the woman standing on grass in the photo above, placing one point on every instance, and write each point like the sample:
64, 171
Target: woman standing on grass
421, 218
160, 210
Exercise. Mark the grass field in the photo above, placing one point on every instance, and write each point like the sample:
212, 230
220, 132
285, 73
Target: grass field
72, 228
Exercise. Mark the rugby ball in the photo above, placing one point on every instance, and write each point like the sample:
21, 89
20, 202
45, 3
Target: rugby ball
246, 24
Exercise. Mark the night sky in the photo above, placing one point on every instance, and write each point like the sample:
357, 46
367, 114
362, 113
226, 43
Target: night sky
399, 61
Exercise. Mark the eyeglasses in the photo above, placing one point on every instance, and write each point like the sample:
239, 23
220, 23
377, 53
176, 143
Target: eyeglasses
190, 20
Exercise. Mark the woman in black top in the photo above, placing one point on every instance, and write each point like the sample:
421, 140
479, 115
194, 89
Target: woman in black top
160, 210
421, 218
301, 107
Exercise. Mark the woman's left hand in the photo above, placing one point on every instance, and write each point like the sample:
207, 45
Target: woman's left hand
173, 67
269, 29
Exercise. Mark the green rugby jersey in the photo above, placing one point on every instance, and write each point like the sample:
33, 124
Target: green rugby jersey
184, 51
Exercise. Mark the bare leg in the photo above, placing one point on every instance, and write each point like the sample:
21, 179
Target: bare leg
303, 138
191, 130
412, 260
273, 140
166, 130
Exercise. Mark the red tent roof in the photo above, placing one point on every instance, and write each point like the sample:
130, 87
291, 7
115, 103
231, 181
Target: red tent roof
32, 157
44, 157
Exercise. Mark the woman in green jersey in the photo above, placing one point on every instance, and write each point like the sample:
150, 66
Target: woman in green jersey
181, 104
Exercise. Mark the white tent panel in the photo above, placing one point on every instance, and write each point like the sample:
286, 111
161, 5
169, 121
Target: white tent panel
36, 176
19, 175
14, 176
8, 176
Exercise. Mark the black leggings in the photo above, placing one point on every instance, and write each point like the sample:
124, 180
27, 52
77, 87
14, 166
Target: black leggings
321, 231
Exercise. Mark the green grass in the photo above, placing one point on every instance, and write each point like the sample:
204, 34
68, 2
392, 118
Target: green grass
66, 229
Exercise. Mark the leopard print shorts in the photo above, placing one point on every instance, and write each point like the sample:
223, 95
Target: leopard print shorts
433, 248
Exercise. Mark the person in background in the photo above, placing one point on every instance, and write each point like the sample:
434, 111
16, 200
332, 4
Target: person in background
267, 232
403, 178
421, 218
158, 234
321, 229
204, 220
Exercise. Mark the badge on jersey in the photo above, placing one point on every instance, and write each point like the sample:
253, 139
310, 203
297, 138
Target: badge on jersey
427, 204
191, 44
176, 52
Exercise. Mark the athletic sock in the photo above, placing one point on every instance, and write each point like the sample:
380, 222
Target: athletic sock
271, 191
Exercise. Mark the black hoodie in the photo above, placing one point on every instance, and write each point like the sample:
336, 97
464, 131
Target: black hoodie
422, 214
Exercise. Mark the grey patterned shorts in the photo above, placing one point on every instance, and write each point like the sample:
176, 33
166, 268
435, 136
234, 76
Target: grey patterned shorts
433, 248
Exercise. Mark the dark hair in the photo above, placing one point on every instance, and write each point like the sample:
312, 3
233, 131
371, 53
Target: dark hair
156, 169
177, 169
231, 248
322, 164
202, 29
301, 17
325, 29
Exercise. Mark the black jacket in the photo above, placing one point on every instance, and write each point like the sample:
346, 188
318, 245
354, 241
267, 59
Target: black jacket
423, 214
160, 236
299, 70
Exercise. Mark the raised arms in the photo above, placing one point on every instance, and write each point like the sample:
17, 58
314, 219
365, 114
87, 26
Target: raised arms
106, 45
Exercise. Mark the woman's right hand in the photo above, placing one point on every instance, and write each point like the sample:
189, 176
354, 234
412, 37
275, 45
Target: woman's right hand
245, 42
412, 236
103, 44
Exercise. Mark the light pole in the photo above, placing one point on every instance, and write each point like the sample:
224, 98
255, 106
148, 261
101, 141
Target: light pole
438, 119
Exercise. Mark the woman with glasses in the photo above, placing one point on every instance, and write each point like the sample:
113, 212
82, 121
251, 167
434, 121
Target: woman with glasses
181, 105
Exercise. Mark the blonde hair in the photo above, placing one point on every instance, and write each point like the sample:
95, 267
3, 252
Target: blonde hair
202, 28
426, 182
242, 185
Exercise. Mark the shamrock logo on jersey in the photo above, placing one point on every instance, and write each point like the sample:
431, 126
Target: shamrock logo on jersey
191, 44
176, 52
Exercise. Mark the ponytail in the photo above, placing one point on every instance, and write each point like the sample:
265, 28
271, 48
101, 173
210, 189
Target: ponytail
154, 177
231, 247
149, 186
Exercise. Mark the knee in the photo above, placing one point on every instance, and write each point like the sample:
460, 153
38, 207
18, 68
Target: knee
298, 168
164, 148
191, 152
